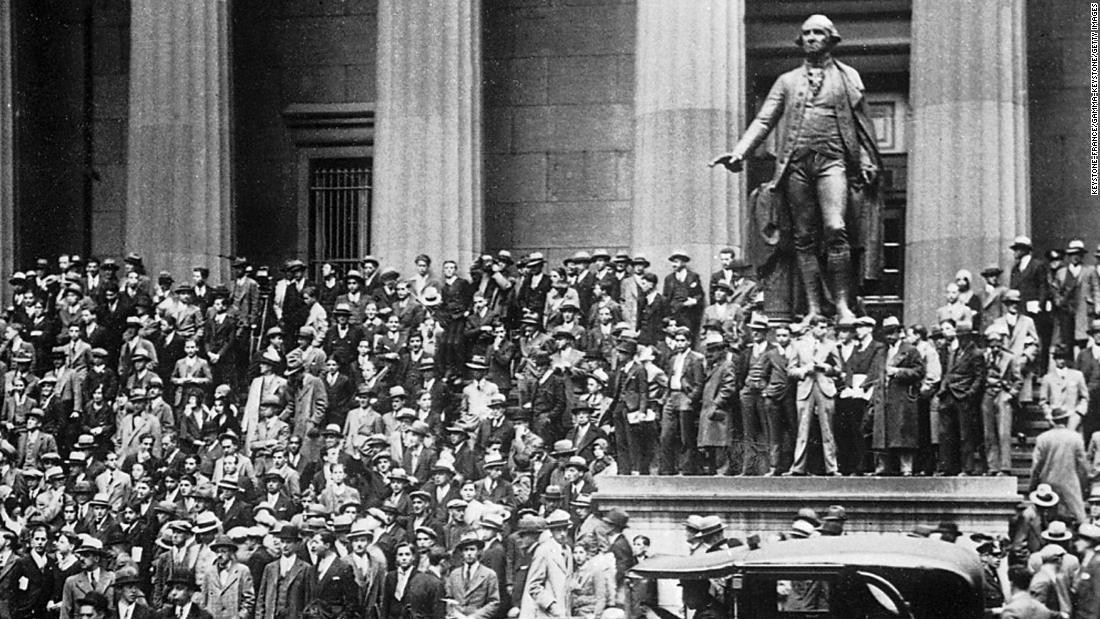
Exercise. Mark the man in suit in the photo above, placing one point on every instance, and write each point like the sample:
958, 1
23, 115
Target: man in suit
1021, 605
628, 406
93, 577
1029, 275
621, 549
34, 574
584, 433
859, 356
221, 339
545, 590
1002, 384
1086, 586
131, 603
991, 295
815, 364
227, 590
181, 596
474, 587
1064, 389
685, 294
288, 582
1088, 363
457, 296
1068, 298
369, 568
35, 442
959, 395
244, 299
1059, 460
680, 417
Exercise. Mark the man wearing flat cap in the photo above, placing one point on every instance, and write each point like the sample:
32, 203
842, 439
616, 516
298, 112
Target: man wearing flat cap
828, 169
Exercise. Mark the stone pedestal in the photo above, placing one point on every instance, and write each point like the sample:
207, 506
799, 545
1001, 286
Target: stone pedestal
428, 155
178, 199
658, 506
689, 108
968, 163
7, 195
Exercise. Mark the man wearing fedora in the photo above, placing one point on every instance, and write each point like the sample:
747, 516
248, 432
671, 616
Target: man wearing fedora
289, 303
960, 397
1002, 384
683, 289
288, 582
93, 577
227, 588
1064, 389
1059, 460
473, 587
1071, 309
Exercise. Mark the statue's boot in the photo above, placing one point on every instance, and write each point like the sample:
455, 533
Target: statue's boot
810, 268
840, 272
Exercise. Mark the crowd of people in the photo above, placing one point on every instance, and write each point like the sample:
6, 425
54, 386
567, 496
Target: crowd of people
386, 445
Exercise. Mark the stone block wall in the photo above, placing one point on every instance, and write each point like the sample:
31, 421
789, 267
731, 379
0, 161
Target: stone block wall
1058, 99
559, 93
110, 70
287, 52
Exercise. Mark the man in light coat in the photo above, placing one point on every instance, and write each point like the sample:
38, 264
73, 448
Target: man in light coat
546, 590
1064, 389
473, 586
227, 590
815, 364
1059, 460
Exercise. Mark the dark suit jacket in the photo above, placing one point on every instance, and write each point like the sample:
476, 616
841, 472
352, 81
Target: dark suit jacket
678, 292
963, 373
650, 315
336, 590
624, 558
584, 445
1086, 590
169, 612
1031, 282
30, 602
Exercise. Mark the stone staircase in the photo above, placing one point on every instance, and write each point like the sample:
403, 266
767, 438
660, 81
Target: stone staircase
1030, 424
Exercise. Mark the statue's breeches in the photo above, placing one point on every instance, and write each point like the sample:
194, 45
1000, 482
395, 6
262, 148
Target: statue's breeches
817, 191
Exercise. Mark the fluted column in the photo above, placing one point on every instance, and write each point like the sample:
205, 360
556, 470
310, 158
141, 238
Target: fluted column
968, 166
7, 118
428, 155
689, 108
178, 198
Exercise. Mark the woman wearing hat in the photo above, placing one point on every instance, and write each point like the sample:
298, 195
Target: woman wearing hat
559, 294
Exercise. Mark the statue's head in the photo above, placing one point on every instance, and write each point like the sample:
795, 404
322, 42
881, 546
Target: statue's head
818, 34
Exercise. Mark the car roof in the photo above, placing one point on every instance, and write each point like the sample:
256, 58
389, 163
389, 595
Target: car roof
865, 550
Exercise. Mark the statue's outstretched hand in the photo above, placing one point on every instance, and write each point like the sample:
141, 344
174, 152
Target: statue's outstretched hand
730, 161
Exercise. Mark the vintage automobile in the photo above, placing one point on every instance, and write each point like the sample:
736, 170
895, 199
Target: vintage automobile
846, 577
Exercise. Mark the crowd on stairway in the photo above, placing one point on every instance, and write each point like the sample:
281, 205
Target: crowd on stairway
373, 443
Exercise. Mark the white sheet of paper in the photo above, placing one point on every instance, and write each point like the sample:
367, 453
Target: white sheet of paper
136, 552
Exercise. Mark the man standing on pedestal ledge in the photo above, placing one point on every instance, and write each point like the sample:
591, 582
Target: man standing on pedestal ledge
827, 171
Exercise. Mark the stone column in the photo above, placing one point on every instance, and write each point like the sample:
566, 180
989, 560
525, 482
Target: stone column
7, 179
968, 165
689, 107
179, 196
428, 155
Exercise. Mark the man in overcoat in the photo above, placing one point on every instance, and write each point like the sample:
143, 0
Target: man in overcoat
895, 433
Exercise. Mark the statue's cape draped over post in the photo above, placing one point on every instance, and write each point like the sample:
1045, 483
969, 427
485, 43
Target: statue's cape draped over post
770, 239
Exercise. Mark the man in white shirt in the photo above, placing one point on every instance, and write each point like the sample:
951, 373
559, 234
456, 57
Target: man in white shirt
129, 587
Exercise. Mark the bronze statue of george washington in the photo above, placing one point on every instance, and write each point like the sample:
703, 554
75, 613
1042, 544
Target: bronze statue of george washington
821, 213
